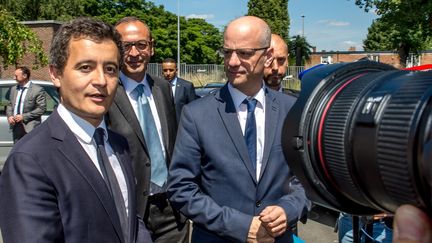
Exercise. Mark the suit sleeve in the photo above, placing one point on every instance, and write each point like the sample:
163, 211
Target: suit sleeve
39, 105
184, 189
9, 106
28, 203
191, 93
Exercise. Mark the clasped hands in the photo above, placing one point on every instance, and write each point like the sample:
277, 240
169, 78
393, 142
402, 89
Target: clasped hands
271, 223
15, 119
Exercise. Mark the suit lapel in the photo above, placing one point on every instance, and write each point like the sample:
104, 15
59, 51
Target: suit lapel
124, 160
228, 113
158, 97
76, 155
271, 120
121, 100
178, 91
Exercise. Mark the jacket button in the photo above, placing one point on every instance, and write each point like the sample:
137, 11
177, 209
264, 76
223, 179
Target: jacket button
147, 164
258, 204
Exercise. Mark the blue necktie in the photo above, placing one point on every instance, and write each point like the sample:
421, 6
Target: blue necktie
20, 99
159, 171
250, 130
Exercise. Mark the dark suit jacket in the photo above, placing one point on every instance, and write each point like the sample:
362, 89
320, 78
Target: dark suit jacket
122, 119
211, 178
184, 94
34, 105
50, 190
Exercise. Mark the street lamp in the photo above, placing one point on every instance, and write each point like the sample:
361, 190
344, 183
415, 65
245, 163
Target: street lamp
303, 25
178, 39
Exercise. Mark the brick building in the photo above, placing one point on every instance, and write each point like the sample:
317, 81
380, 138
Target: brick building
388, 57
45, 30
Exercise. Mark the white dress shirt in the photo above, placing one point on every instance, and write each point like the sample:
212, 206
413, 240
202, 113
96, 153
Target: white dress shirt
173, 85
84, 131
27, 85
129, 86
238, 98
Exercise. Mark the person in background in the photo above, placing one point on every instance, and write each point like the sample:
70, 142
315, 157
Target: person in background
183, 91
143, 111
228, 173
71, 180
27, 104
275, 73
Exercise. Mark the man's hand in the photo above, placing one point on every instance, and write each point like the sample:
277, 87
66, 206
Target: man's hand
411, 225
274, 220
18, 118
11, 120
258, 233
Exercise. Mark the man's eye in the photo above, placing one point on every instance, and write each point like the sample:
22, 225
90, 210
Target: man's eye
111, 70
85, 68
245, 53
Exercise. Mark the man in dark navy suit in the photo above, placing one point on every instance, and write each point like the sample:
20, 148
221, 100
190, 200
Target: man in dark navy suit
228, 173
183, 91
71, 178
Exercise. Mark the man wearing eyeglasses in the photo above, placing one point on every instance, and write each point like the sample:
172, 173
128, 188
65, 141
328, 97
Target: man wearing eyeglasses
143, 111
228, 173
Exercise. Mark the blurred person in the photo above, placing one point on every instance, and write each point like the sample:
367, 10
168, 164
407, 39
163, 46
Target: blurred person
71, 179
228, 173
183, 91
27, 104
143, 111
275, 73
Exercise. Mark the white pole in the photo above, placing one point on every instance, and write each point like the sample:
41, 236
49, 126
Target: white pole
178, 39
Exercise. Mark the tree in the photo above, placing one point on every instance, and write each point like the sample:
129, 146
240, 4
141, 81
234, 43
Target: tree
199, 39
16, 40
300, 50
404, 26
274, 12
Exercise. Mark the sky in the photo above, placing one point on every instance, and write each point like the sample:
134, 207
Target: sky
330, 25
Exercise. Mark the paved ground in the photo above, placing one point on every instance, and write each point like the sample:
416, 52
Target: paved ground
319, 227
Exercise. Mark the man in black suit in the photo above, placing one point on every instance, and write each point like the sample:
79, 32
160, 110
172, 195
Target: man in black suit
143, 111
183, 91
27, 104
70, 179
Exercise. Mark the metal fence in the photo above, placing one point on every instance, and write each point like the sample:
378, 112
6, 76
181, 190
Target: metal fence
201, 74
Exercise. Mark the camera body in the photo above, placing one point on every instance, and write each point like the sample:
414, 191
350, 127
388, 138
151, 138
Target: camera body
359, 137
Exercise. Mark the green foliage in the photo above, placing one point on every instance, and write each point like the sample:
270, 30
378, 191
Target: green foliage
16, 40
199, 39
299, 50
274, 12
403, 26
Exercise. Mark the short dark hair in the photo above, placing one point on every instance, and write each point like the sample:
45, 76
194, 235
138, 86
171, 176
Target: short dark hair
25, 70
169, 60
82, 27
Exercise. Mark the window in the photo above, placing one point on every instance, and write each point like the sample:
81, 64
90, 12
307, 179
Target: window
327, 59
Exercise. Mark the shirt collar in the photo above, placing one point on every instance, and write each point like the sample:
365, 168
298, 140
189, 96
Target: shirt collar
80, 127
130, 84
174, 81
238, 97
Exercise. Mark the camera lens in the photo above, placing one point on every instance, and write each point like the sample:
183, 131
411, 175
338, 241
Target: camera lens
359, 137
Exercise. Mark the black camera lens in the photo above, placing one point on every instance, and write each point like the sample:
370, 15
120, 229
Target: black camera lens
359, 137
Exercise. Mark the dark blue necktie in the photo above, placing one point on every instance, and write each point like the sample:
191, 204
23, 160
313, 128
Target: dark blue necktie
250, 130
20, 99
111, 180
159, 170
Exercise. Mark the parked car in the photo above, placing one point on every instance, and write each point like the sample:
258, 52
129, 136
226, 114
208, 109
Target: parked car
6, 141
208, 88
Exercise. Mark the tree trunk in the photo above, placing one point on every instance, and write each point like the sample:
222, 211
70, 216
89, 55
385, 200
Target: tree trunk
299, 56
403, 52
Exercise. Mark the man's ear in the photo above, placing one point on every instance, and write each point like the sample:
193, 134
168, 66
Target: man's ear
55, 76
152, 48
269, 57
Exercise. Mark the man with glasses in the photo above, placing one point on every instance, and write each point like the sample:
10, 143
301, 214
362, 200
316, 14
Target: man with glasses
143, 111
228, 173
